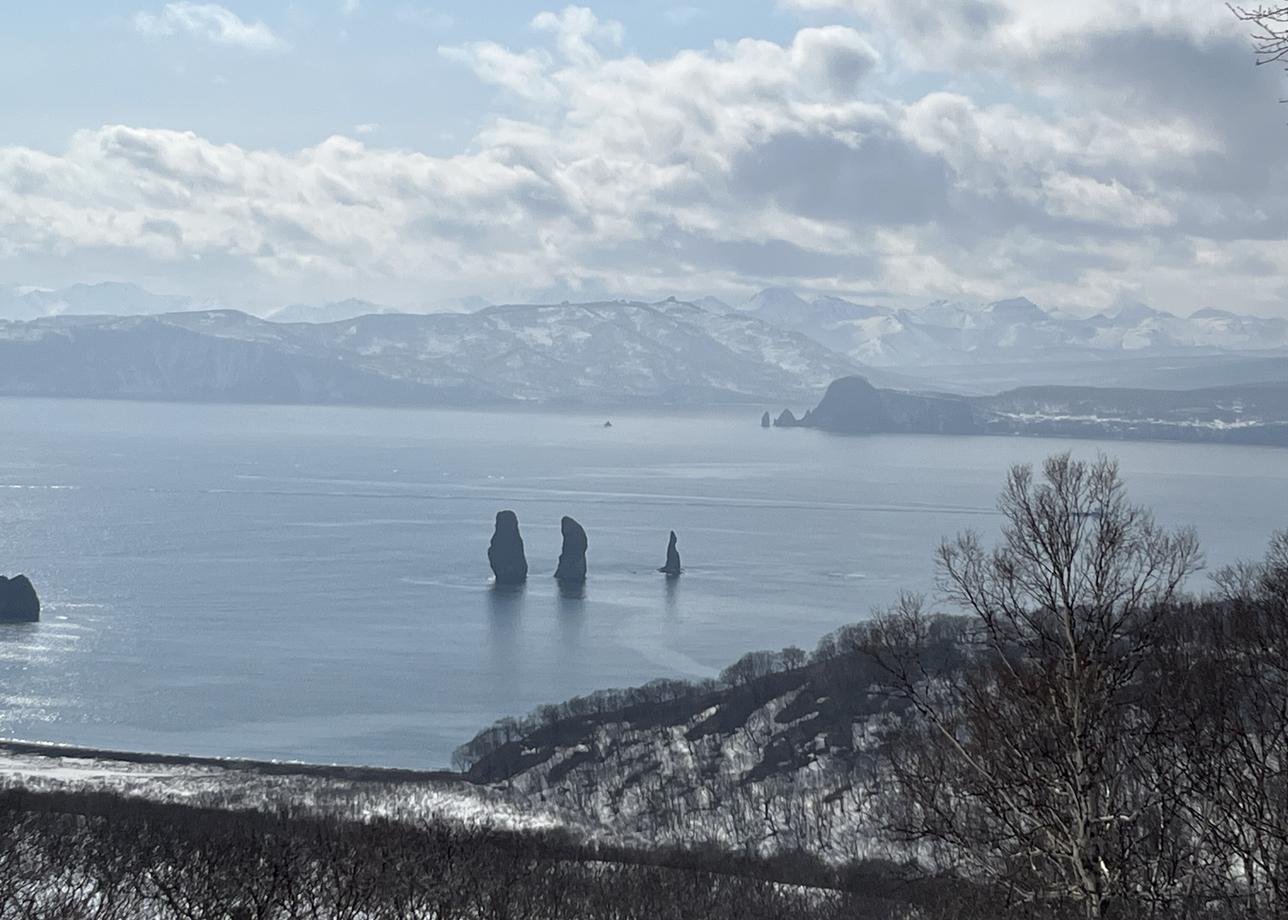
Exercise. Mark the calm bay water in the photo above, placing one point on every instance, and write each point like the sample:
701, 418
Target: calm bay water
312, 583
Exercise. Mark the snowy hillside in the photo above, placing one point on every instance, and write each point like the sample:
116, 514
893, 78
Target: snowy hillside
778, 756
670, 353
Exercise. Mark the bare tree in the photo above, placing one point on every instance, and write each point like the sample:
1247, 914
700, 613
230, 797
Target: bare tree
1019, 766
1237, 731
1269, 31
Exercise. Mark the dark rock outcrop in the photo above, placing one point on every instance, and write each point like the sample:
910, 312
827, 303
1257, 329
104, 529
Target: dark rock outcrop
786, 420
505, 553
852, 405
672, 567
764, 421
18, 600
572, 559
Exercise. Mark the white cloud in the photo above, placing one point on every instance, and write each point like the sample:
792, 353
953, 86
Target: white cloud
210, 21
747, 163
523, 74
1109, 203
579, 34
993, 32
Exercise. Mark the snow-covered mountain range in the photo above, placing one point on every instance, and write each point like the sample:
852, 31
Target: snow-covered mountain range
105, 299
1014, 330
778, 345
667, 353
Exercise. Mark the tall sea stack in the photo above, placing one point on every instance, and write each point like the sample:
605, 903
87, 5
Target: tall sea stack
505, 553
18, 600
764, 421
672, 568
572, 560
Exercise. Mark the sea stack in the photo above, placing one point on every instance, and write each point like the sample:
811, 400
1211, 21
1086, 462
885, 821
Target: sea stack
786, 420
505, 553
572, 560
672, 568
764, 421
18, 600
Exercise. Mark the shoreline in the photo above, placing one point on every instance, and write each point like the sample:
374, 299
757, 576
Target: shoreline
347, 772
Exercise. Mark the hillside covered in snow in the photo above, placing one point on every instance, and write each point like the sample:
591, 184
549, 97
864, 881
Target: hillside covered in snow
669, 353
121, 341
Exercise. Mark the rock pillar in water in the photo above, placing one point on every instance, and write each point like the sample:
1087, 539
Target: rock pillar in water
18, 600
505, 553
764, 421
572, 560
672, 567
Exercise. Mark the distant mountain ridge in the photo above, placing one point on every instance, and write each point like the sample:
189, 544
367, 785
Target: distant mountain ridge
105, 298
1013, 330
777, 345
669, 353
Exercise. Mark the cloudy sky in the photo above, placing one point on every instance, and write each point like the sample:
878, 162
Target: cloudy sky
894, 151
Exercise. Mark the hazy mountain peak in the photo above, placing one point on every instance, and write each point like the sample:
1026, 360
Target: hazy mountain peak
775, 299
1133, 311
1017, 309
334, 312
713, 304
1213, 313
104, 298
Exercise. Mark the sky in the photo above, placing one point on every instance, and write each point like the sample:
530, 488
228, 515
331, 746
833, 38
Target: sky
416, 153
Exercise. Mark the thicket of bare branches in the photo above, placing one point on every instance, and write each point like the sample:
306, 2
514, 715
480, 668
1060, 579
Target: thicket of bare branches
89, 856
1269, 31
1099, 747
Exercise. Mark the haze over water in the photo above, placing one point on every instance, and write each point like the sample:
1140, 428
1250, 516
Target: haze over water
312, 583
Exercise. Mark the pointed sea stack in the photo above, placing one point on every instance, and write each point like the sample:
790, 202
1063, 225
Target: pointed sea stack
764, 421
18, 600
572, 561
786, 420
672, 568
505, 553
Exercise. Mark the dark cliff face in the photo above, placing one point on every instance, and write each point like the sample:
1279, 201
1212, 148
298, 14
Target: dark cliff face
572, 560
852, 405
18, 600
505, 554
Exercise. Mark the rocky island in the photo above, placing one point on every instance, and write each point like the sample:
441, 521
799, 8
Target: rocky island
18, 600
672, 568
572, 559
505, 553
